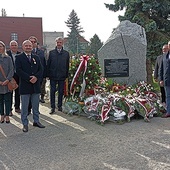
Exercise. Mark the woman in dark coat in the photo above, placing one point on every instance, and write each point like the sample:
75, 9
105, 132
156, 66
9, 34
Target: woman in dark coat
5, 95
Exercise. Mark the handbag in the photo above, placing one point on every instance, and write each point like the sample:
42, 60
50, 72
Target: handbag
12, 85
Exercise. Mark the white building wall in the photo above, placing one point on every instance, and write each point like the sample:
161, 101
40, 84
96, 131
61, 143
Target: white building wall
49, 39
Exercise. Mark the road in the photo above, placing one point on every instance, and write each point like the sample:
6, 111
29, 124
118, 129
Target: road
77, 143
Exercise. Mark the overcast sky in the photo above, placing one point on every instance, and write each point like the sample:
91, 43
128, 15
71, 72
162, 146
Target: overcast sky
94, 17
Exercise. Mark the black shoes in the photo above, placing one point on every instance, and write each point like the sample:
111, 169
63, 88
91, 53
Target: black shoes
25, 128
166, 116
60, 109
38, 124
7, 119
52, 111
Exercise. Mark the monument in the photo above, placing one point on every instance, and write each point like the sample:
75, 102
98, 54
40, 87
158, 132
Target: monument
123, 55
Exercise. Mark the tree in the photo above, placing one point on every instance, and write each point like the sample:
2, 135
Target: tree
95, 45
3, 12
154, 16
74, 33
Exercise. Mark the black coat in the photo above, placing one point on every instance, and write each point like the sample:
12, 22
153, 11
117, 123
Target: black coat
16, 77
157, 67
41, 55
58, 64
165, 69
25, 69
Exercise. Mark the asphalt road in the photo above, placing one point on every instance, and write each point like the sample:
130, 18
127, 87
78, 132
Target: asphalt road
77, 143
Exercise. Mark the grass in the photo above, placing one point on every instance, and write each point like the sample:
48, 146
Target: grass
156, 86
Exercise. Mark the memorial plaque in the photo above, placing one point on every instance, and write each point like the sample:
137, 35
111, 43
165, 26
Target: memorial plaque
116, 67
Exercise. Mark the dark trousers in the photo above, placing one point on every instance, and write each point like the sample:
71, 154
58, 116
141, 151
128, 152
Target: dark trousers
16, 98
53, 89
43, 88
163, 96
5, 100
16, 94
29, 106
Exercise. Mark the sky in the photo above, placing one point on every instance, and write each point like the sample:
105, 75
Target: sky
94, 17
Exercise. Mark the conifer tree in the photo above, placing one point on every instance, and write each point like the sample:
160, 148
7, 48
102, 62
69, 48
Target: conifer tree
73, 23
95, 45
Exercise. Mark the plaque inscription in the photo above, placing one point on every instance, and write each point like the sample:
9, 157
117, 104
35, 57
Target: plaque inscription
116, 67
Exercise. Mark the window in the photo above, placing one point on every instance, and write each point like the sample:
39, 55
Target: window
14, 36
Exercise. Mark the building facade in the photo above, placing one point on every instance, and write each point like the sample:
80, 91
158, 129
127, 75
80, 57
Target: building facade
20, 29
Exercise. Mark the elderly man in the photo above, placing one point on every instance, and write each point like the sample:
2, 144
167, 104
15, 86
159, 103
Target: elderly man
157, 72
165, 79
57, 71
13, 52
29, 69
41, 55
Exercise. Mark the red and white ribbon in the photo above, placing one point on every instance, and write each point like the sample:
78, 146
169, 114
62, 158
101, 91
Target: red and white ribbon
82, 66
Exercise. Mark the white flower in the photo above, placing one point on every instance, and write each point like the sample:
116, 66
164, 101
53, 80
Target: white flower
119, 113
134, 94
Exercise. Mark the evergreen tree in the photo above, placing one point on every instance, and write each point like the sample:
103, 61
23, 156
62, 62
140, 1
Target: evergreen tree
74, 33
154, 17
95, 45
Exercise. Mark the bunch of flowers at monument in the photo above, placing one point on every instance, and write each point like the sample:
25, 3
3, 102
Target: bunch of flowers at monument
84, 78
142, 98
84, 75
94, 96
121, 103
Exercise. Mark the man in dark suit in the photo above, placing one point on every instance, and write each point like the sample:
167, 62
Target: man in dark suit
41, 55
29, 70
57, 71
157, 72
13, 53
165, 79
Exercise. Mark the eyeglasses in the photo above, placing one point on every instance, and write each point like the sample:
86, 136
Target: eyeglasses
33, 41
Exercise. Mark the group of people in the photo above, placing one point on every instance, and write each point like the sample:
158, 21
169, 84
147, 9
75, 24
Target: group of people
162, 76
30, 69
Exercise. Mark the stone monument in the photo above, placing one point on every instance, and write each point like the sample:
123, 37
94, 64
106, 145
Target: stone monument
123, 55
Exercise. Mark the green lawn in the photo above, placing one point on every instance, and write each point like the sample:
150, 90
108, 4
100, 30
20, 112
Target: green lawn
156, 86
